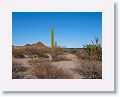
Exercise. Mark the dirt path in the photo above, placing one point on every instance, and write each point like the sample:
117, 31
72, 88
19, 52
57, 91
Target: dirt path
69, 66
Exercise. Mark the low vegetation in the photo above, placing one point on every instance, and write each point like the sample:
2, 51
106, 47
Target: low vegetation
94, 50
40, 60
91, 66
39, 69
35, 52
29, 52
90, 69
58, 54
18, 53
80, 53
43, 70
18, 70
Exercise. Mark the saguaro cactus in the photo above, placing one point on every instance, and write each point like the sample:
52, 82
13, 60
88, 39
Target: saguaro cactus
55, 44
52, 39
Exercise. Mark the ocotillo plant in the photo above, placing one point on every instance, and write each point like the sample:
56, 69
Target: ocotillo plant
52, 39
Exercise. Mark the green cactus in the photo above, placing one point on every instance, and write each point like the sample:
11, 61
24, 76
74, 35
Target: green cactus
55, 44
52, 39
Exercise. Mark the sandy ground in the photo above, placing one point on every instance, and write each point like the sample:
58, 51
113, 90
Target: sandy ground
68, 66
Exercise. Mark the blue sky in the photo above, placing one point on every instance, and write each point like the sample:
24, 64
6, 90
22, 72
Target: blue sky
72, 29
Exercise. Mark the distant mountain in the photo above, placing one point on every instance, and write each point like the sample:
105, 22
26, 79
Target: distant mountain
39, 45
28, 45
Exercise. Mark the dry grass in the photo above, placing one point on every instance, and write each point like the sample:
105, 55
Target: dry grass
17, 70
81, 54
29, 52
39, 69
35, 52
59, 53
43, 70
90, 69
60, 58
18, 53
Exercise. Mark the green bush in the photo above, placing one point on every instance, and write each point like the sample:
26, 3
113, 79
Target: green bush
94, 50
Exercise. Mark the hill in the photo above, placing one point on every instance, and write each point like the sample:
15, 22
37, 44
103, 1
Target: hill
38, 45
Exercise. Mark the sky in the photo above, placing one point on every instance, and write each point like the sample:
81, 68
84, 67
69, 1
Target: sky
71, 29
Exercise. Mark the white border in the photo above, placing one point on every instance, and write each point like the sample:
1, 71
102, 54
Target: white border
104, 84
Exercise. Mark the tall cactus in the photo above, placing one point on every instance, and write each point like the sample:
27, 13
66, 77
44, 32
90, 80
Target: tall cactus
55, 44
52, 39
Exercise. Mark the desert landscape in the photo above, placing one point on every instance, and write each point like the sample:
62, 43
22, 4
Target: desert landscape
37, 61
57, 45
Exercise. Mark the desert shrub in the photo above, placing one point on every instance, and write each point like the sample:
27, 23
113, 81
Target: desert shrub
80, 53
18, 53
43, 70
35, 52
73, 51
28, 75
61, 58
91, 65
17, 70
16, 67
94, 50
57, 52
90, 69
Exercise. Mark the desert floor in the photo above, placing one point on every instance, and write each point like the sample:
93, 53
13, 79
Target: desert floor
69, 65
